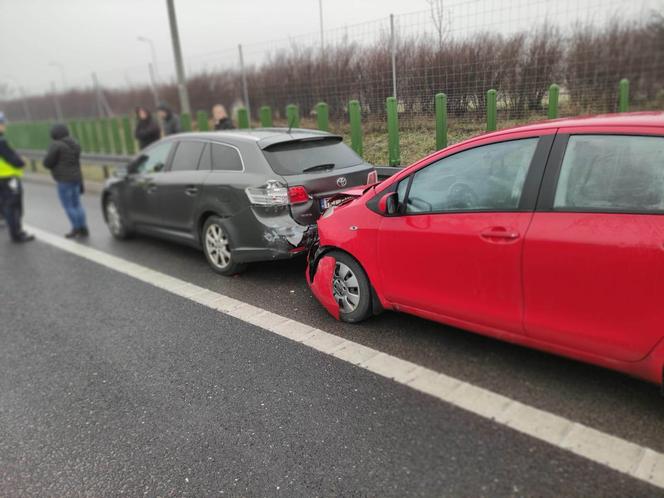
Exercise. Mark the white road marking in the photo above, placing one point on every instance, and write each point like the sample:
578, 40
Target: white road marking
624, 456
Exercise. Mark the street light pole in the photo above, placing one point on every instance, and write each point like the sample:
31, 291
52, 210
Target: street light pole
56, 103
322, 38
62, 73
177, 53
153, 51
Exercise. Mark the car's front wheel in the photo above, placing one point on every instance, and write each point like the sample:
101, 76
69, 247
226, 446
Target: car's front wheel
217, 248
351, 288
114, 219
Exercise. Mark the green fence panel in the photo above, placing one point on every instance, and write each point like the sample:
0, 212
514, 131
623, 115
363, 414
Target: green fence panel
73, 130
86, 140
115, 135
491, 110
554, 92
355, 115
394, 150
105, 129
129, 144
185, 121
441, 120
266, 116
623, 95
202, 122
323, 116
293, 116
242, 118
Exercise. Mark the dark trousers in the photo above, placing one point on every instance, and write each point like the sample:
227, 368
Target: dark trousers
11, 204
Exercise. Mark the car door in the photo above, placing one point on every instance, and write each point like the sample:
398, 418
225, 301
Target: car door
594, 254
142, 181
454, 249
179, 189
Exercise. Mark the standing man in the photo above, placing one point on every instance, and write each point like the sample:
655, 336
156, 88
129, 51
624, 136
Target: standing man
11, 190
169, 120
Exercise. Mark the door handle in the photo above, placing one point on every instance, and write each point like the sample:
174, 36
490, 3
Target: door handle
499, 233
191, 190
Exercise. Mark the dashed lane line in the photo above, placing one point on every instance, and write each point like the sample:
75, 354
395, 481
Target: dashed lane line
619, 454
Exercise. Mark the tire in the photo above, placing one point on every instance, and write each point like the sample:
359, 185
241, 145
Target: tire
351, 288
117, 225
217, 247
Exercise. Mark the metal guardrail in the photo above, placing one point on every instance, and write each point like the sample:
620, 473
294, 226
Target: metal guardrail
105, 160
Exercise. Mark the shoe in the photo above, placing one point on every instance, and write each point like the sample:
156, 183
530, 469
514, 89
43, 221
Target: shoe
84, 232
24, 237
71, 235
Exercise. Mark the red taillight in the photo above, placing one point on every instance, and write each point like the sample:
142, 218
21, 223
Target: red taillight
372, 178
297, 195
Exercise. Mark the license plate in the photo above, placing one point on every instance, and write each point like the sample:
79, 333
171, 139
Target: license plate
324, 203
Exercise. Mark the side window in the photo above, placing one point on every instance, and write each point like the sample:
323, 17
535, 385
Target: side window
225, 158
155, 158
612, 173
205, 163
486, 178
186, 156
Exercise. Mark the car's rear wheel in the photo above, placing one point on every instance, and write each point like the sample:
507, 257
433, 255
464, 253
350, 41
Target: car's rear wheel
351, 288
218, 248
115, 221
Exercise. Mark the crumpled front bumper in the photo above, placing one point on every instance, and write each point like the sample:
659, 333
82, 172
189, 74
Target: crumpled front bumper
320, 272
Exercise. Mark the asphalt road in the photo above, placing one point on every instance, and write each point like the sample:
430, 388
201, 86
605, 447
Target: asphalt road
150, 392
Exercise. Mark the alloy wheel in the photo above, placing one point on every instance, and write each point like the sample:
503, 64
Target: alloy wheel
114, 218
217, 247
345, 288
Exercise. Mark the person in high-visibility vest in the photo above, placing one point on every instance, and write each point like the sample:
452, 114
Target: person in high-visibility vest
11, 190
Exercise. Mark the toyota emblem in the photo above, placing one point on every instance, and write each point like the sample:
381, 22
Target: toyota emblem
341, 181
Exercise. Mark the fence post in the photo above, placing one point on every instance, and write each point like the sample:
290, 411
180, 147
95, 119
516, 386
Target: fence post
393, 50
441, 120
394, 152
623, 98
355, 126
266, 116
115, 133
554, 91
94, 134
293, 116
105, 136
202, 121
85, 136
323, 116
130, 146
491, 110
185, 121
242, 118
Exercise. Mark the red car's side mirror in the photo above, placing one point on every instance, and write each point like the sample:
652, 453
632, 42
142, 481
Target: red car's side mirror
389, 203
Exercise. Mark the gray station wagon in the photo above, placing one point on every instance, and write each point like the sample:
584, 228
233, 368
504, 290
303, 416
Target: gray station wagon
241, 196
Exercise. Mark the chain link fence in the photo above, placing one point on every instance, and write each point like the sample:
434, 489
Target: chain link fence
460, 47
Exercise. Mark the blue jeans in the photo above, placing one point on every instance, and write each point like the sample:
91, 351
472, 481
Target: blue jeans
70, 197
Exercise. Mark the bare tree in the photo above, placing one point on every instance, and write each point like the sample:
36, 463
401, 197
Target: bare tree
441, 19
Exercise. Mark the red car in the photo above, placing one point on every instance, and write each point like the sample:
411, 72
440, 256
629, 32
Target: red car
549, 235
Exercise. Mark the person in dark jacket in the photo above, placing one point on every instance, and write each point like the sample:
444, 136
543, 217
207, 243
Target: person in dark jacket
11, 190
220, 119
170, 122
147, 129
63, 158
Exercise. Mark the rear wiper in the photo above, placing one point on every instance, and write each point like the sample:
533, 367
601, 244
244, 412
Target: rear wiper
318, 167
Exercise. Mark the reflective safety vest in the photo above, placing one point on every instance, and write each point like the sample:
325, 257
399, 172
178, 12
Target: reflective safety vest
8, 170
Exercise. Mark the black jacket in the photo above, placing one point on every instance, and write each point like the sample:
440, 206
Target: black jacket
63, 157
147, 131
8, 154
224, 124
171, 123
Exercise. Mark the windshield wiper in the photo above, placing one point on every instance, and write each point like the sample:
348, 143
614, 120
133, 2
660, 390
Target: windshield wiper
318, 167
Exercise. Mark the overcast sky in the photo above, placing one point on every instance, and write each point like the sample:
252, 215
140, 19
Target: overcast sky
101, 35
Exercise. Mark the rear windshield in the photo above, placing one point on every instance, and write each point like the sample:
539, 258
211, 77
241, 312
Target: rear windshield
292, 158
